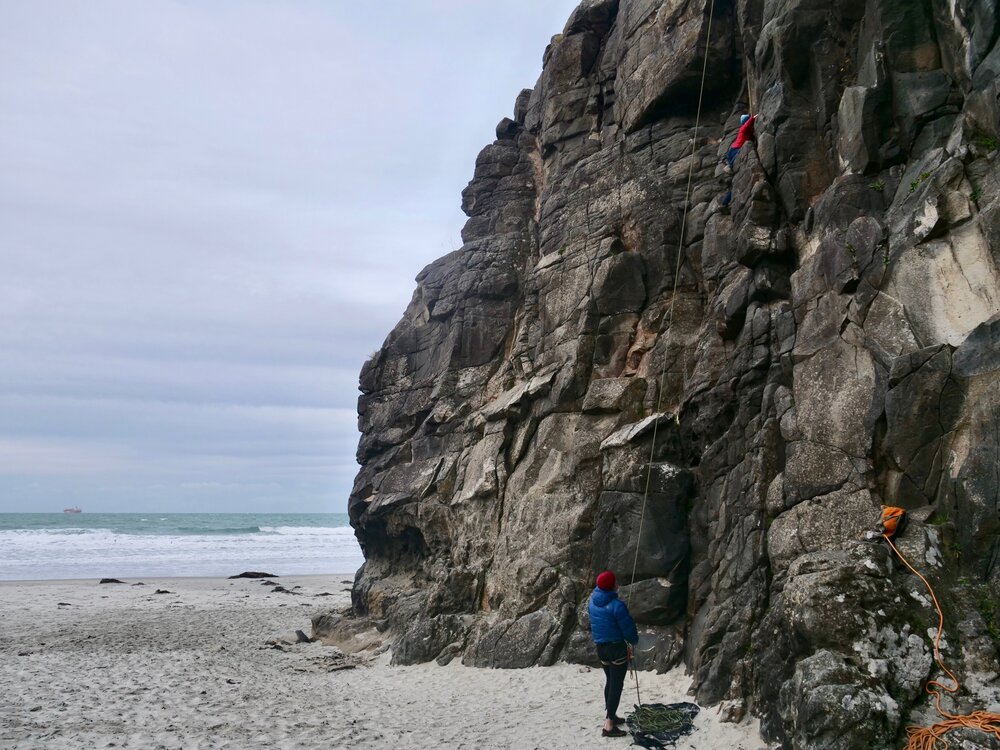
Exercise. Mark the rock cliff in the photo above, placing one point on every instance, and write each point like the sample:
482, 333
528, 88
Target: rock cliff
826, 343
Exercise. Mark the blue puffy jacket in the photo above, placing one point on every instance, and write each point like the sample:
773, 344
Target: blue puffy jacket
609, 618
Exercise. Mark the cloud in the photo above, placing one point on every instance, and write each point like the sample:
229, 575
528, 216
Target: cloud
210, 215
54, 457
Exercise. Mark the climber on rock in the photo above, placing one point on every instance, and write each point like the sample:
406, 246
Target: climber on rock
614, 632
744, 134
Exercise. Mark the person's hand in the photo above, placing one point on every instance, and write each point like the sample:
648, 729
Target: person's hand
628, 647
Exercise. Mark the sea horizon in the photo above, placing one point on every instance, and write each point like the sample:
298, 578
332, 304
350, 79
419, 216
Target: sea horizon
68, 546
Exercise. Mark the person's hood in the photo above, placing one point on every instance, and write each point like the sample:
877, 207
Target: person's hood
602, 598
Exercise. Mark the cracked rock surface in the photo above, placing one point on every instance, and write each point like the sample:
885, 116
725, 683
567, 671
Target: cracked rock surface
826, 343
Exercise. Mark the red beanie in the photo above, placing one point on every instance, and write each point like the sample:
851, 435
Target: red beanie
606, 581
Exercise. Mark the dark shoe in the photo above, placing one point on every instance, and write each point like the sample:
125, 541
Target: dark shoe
617, 720
616, 732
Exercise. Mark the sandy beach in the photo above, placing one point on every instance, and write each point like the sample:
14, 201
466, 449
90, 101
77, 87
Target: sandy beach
85, 665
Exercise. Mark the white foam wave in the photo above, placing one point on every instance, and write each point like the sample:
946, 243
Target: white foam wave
308, 530
55, 532
84, 553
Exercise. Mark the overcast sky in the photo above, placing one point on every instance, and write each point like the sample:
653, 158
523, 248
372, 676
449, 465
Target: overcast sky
211, 213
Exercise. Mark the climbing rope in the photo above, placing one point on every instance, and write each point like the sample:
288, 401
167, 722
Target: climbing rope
632, 671
673, 297
670, 321
650, 719
932, 737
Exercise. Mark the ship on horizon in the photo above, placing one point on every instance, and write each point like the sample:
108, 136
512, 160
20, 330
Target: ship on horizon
72, 510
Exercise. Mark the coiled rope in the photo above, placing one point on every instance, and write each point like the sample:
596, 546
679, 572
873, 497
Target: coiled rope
650, 719
932, 737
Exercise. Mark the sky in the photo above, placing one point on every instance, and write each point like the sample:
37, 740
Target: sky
211, 214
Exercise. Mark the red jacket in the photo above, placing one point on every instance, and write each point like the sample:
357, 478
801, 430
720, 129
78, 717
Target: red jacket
746, 132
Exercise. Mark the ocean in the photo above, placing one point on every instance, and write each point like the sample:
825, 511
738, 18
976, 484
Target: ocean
50, 546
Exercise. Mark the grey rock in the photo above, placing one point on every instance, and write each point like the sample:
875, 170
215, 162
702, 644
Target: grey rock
615, 395
825, 522
861, 128
827, 689
656, 601
662, 545
917, 95
513, 644
429, 639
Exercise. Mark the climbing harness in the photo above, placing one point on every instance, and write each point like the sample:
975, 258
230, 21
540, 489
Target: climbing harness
614, 662
932, 737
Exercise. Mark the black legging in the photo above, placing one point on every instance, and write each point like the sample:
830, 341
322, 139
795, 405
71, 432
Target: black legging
614, 659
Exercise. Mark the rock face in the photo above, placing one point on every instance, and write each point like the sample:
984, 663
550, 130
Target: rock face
614, 371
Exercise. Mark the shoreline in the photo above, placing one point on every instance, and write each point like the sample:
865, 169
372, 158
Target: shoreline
132, 580
133, 546
214, 663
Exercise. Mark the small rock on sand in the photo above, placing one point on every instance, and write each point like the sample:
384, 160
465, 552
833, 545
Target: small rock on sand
254, 574
110, 580
302, 637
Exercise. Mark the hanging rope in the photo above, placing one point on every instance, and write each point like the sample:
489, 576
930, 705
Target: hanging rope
673, 297
632, 671
670, 321
932, 737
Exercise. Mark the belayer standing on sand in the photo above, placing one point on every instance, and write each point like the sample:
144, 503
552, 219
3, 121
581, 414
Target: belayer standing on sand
613, 630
